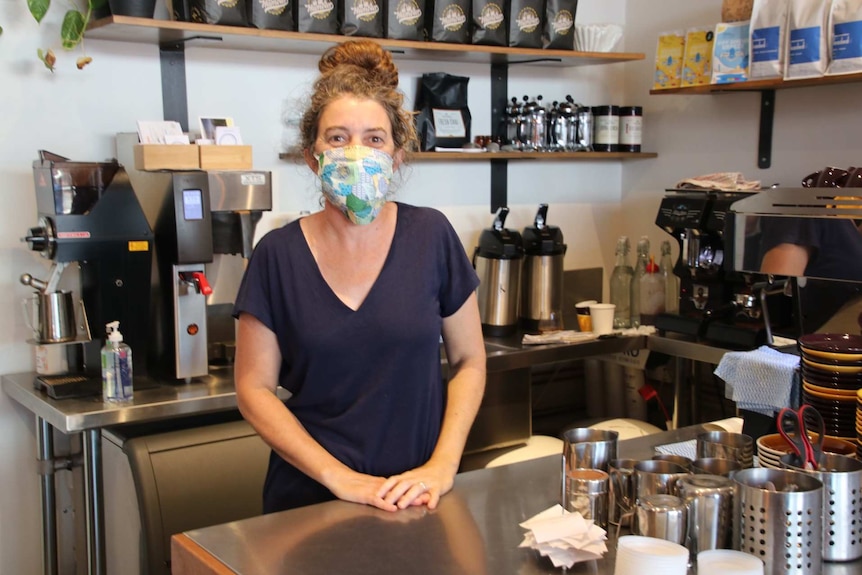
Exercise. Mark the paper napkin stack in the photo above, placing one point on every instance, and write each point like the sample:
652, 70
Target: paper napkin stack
565, 538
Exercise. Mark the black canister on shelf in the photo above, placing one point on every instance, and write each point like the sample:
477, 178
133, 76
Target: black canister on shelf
606, 128
631, 128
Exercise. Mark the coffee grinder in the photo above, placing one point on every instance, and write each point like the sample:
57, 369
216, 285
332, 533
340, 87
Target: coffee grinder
89, 217
716, 303
204, 223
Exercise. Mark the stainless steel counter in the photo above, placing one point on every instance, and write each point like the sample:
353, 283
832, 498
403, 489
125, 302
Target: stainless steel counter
474, 531
166, 400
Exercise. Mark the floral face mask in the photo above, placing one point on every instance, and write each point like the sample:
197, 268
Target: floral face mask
356, 180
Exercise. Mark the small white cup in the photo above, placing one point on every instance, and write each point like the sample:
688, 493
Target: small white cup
602, 317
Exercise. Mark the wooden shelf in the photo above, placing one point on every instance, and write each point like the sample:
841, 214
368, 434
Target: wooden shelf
160, 32
760, 85
541, 156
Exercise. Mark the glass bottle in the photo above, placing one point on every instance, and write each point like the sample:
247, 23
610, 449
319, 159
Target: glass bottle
621, 285
639, 271
651, 292
671, 282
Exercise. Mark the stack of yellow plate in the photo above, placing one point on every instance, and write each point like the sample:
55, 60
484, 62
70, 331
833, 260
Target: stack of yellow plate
831, 370
859, 424
771, 447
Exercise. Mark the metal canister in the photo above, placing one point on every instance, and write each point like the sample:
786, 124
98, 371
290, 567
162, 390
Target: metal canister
778, 516
542, 287
662, 517
842, 502
708, 501
587, 493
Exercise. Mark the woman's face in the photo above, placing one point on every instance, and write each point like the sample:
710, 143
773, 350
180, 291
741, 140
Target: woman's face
351, 121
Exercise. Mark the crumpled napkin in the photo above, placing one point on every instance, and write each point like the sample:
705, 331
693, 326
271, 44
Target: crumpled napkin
571, 336
565, 538
763, 380
727, 181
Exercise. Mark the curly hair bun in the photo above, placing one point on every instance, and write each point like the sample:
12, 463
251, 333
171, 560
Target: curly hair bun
363, 54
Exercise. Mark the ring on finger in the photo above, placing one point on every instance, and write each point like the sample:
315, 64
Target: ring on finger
423, 486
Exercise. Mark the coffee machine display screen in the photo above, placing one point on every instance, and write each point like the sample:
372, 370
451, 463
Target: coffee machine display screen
193, 205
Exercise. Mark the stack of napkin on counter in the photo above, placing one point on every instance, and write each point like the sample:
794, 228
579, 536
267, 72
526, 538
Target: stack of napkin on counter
571, 336
763, 380
565, 538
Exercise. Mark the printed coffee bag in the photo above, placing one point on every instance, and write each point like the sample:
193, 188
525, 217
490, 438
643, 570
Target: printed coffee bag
560, 24
697, 62
489, 22
361, 18
316, 16
806, 54
443, 117
224, 12
730, 52
272, 14
450, 21
405, 20
768, 33
668, 60
845, 37
525, 23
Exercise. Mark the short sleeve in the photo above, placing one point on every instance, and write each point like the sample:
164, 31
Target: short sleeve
459, 277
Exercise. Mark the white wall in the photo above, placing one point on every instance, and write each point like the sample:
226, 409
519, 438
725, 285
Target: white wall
75, 113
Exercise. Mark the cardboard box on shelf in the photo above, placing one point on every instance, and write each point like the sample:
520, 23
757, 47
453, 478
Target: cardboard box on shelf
154, 157
225, 157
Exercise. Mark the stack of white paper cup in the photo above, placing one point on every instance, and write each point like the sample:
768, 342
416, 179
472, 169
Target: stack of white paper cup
728, 562
638, 555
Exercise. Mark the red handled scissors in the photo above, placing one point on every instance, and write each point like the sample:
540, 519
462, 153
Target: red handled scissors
794, 428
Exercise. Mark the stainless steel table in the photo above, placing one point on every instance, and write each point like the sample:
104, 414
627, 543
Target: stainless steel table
474, 531
211, 394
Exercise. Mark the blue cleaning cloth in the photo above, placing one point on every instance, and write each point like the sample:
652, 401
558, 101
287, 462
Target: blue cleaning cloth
763, 380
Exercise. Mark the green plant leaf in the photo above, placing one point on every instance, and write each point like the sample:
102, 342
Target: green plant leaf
38, 8
47, 58
73, 29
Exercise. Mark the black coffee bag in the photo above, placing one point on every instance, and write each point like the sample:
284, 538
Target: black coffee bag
225, 12
443, 117
316, 16
525, 23
450, 21
560, 24
272, 14
405, 20
489, 22
361, 18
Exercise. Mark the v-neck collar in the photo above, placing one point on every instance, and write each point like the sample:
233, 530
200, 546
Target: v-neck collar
377, 280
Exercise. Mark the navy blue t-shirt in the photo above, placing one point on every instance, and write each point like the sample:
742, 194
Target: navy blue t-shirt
366, 384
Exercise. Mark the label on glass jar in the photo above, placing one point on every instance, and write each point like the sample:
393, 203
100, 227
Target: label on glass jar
606, 129
631, 130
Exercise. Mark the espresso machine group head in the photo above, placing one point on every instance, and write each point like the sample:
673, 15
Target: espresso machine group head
89, 214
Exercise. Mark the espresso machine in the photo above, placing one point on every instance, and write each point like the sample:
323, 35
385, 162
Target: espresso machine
90, 220
716, 303
204, 223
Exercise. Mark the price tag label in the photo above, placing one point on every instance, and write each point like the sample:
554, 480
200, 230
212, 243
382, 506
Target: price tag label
449, 123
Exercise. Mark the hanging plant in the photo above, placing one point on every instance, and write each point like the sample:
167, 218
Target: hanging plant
71, 31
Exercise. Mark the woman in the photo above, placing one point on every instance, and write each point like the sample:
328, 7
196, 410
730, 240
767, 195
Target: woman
345, 309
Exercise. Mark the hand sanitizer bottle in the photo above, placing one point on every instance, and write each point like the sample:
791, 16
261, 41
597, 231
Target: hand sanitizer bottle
116, 366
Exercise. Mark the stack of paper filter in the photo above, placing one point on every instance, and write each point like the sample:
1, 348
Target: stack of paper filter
565, 538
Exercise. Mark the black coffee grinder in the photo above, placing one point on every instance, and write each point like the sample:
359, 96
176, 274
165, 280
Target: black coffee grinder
716, 303
90, 216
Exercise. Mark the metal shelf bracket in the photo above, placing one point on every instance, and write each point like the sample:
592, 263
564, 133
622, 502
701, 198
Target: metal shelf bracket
764, 142
499, 168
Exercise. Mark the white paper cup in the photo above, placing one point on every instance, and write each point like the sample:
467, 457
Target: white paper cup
602, 317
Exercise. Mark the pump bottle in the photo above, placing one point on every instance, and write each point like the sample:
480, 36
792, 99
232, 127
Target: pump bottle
116, 366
